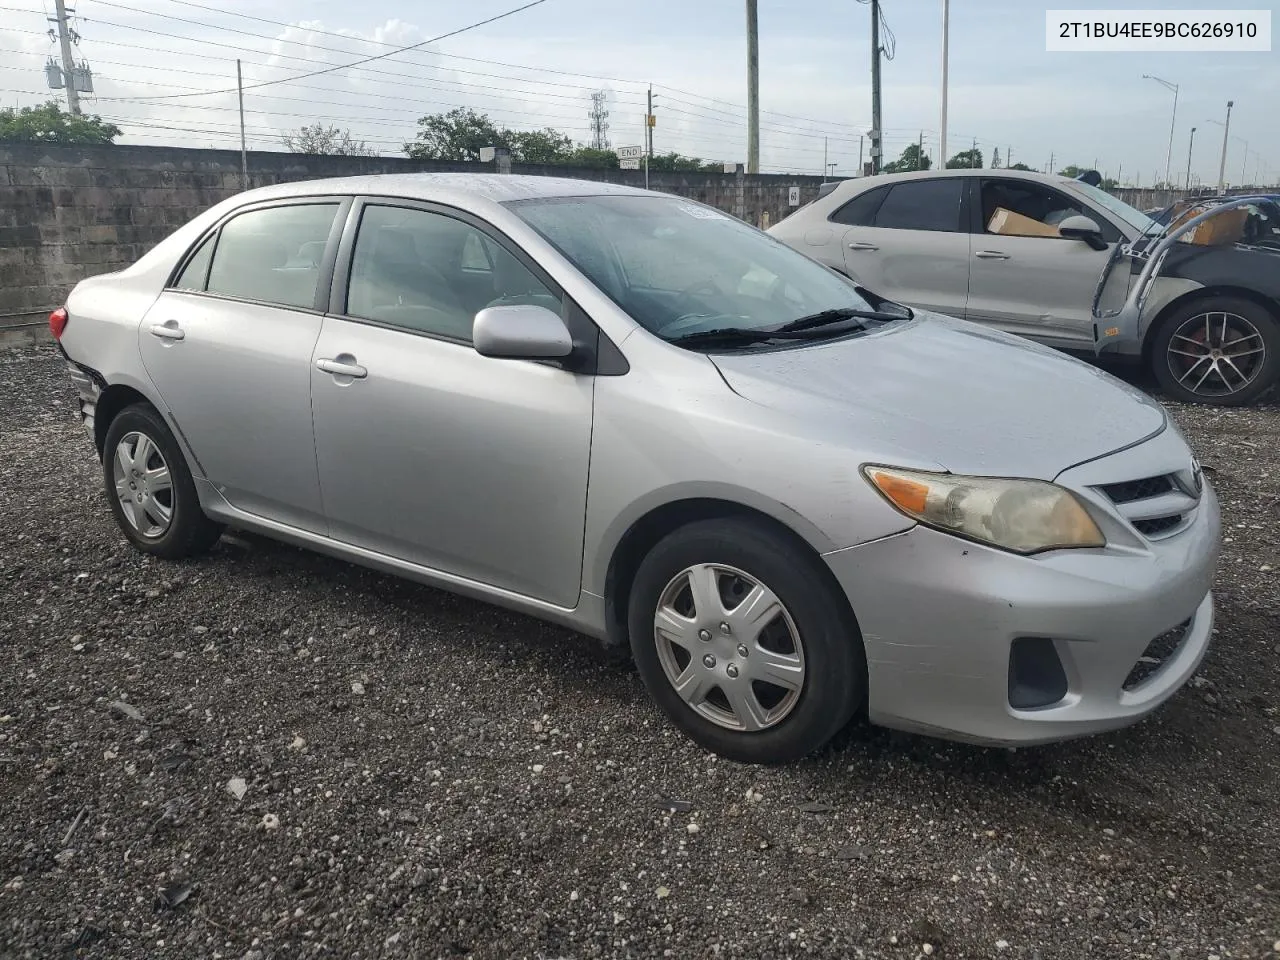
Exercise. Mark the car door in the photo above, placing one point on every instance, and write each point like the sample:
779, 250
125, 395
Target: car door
1024, 278
228, 346
428, 451
908, 241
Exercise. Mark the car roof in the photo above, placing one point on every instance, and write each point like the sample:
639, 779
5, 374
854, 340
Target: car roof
444, 186
866, 183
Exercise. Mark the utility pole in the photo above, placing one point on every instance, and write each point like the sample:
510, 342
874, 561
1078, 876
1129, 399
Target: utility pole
920, 152
753, 90
1222, 165
861, 138
68, 65
824, 159
942, 134
1244, 165
1050, 170
648, 137
1008, 158
244, 156
877, 135
973, 155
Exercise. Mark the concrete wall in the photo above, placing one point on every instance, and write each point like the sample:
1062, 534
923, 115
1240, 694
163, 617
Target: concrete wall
70, 212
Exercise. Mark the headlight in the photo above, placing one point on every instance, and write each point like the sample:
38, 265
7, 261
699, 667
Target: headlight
1025, 516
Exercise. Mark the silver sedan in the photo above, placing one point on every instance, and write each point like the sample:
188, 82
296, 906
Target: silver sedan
633, 415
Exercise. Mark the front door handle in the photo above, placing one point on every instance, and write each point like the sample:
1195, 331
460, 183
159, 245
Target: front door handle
169, 330
991, 255
343, 367
861, 245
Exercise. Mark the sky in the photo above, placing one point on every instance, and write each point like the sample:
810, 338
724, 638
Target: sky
538, 68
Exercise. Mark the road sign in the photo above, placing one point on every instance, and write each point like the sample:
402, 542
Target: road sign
793, 196
630, 153
632, 164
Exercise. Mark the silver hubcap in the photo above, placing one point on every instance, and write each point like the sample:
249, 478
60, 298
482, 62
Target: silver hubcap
144, 486
1216, 354
729, 647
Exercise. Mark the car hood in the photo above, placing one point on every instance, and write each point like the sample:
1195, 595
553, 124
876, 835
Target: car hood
973, 400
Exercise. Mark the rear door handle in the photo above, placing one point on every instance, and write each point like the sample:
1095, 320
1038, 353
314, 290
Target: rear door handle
991, 255
343, 368
860, 245
169, 330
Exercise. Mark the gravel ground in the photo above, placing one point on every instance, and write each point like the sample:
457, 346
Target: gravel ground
268, 754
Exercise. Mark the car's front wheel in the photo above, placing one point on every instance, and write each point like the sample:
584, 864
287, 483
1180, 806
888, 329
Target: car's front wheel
743, 640
152, 495
1218, 350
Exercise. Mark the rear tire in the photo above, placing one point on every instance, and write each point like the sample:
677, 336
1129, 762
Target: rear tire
150, 489
723, 608
1247, 361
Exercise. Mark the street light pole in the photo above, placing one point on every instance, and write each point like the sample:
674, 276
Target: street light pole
1172, 122
1190, 143
1222, 164
946, 29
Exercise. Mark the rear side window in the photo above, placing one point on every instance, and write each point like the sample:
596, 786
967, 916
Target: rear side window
273, 255
196, 271
922, 205
861, 210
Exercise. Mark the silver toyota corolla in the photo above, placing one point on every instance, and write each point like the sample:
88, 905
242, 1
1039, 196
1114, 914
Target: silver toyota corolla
631, 414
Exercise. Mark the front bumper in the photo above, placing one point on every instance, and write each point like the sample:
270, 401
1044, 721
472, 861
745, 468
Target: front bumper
939, 616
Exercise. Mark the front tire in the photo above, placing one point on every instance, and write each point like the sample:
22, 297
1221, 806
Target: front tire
743, 640
149, 486
1223, 351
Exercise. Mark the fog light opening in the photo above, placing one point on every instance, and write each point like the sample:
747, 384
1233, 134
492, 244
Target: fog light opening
1036, 675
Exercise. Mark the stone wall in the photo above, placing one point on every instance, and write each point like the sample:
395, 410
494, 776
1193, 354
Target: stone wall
70, 212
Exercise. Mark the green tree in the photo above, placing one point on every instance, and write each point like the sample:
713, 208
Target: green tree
319, 139
912, 159
585, 156
965, 160
456, 135
678, 162
995, 159
1072, 171
1019, 166
51, 124
538, 146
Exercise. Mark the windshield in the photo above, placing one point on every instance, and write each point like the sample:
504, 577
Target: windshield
680, 268
1130, 215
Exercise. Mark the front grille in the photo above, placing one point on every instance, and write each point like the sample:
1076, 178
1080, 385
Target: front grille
1159, 652
1157, 525
1155, 506
1143, 489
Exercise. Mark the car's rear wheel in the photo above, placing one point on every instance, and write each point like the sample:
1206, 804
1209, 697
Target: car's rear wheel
1218, 350
153, 497
743, 640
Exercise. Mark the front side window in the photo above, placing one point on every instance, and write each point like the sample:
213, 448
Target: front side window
432, 273
922, 205
272, 254
679, 268
1022, 208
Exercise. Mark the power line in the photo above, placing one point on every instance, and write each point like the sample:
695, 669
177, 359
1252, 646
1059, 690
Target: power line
343, 66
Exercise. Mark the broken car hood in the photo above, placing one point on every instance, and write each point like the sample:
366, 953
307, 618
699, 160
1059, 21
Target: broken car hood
971, 399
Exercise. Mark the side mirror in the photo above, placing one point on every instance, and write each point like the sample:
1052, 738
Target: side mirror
1080, 227
521, 332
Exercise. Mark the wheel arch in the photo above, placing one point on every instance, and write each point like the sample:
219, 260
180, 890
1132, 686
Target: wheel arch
1203, 293
647, 530
110, 402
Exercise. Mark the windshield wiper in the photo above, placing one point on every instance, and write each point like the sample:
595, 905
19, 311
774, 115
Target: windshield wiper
729, 336
827, 317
